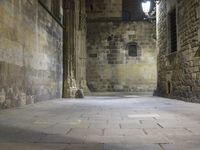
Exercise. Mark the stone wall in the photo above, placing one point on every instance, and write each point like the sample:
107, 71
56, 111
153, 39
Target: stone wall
30, 54
110, 65
179, 72
104, 9
132, 10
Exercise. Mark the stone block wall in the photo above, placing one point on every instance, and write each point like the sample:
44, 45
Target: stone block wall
110, 66
104, 9
132, 10
30, 54
179, 72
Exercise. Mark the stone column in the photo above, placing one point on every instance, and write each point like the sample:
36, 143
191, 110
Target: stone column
74, 47
69, 88
81, 46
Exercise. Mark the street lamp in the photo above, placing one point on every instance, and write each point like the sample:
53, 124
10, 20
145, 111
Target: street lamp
146, 6
149, 9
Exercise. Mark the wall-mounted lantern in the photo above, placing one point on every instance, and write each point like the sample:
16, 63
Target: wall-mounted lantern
146, 6
149, 9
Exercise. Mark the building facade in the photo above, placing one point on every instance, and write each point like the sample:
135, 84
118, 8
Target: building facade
121, 51
178, 33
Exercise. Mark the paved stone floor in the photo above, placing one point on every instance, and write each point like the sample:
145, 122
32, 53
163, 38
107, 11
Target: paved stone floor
102, 123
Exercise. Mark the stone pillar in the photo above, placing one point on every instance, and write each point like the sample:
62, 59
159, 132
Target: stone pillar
69, 89
74, 47
81, 59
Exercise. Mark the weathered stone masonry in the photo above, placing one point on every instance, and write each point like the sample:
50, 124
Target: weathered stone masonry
179, 72
104, 9
110, 64
30, 54
43, 54
36, 61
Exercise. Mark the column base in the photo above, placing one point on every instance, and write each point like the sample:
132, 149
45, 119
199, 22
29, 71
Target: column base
69, 88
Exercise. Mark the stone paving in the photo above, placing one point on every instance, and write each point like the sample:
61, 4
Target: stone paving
102, 123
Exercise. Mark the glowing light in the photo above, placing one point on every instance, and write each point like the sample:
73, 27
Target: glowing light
146, 7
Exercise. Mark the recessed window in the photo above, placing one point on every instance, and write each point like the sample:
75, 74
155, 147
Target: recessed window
132, 50
173, 31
